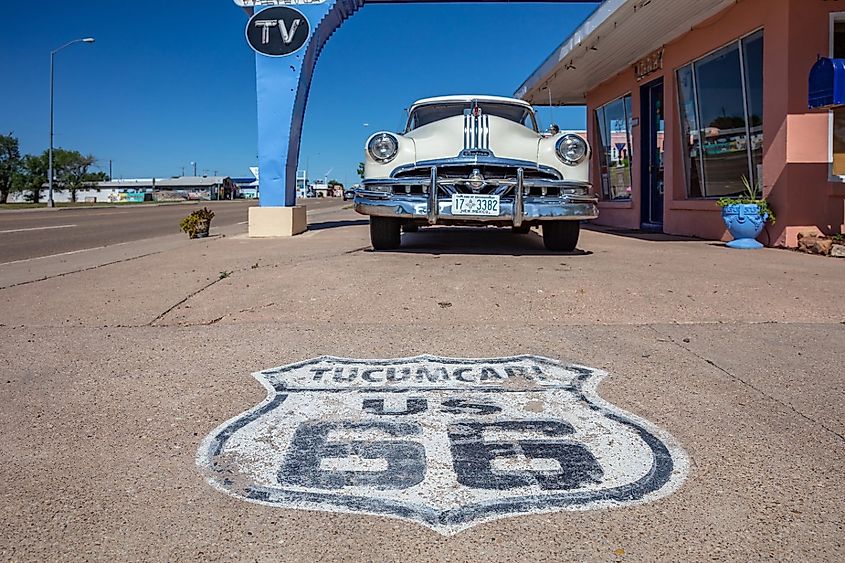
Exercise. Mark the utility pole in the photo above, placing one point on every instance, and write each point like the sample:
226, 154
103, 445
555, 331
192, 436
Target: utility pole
110, 176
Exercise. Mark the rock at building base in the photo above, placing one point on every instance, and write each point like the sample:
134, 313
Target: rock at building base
838, 251
814, 244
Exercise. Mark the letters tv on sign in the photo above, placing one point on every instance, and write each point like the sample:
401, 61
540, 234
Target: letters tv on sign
278, 31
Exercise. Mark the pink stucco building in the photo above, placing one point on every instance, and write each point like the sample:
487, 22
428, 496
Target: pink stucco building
685, 98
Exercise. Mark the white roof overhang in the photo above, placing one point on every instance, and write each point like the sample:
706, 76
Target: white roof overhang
613, 38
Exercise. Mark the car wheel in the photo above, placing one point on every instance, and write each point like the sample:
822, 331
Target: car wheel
385, 233
410, 228
521, 230
561, 235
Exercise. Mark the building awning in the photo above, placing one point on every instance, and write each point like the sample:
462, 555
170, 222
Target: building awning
612, 39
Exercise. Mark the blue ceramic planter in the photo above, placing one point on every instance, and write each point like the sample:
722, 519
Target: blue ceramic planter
745, 224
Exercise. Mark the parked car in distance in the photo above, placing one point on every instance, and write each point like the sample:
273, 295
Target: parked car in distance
476, 160
349, 193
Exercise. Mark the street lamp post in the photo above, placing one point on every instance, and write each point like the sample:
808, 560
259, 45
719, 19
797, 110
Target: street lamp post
307, 165
50, 202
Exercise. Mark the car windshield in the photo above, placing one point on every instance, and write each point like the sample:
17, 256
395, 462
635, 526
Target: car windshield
430, 113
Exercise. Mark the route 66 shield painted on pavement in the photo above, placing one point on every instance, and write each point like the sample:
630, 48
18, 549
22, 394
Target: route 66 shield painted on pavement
445, 442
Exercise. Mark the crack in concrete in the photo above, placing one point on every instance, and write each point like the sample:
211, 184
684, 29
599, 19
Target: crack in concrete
45, 278
750, 385
184, 300
355, 250
292, 261
218, 319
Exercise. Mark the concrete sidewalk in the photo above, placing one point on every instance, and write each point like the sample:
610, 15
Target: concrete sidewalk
118, 362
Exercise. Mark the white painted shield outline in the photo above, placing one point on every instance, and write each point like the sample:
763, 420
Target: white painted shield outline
669, 468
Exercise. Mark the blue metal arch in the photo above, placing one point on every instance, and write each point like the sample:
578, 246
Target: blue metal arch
283, 85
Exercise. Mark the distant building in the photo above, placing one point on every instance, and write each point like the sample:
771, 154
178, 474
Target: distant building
145, 189
248, 187
301, 183
320, 189
189, 187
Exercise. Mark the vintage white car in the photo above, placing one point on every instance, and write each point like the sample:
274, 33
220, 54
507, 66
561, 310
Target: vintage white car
475, 160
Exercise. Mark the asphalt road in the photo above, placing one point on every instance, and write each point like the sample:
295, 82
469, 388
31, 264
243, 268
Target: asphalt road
34, 233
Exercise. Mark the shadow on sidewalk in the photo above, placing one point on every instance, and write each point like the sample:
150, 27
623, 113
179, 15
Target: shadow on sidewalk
650, 236
477, 241
337, 224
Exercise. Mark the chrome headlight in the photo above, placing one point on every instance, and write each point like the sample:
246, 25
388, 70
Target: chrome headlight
571, 149
383, 147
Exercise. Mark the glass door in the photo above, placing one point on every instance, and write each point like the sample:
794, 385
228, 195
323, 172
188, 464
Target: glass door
653, 128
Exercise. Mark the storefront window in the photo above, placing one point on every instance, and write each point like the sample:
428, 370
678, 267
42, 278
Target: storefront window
838, 142
721, 103
690, 132
613, 123
753, 57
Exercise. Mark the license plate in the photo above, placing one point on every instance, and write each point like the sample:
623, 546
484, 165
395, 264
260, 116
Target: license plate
475, 204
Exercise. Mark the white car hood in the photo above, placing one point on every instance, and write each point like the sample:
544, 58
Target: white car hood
446, 138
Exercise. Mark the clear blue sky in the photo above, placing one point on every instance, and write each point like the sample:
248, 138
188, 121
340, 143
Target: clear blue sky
173, 81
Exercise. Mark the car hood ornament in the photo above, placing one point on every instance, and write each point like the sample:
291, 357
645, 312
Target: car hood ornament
445, 442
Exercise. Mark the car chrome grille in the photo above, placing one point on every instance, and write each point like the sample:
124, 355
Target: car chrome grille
476, 132
455, 179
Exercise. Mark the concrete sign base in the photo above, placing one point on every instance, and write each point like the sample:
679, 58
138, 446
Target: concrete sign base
277, 221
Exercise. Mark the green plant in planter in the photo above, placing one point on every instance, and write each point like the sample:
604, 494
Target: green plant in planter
198, 223
753, 195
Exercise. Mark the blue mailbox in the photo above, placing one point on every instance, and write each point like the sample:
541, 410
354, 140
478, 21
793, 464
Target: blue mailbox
827, 83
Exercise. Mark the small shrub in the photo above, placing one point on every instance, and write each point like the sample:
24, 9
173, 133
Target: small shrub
198, 222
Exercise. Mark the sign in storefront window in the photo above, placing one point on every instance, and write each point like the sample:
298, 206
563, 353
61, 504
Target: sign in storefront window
721, 106
613, 124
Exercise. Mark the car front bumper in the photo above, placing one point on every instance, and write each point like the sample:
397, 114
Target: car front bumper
517, 208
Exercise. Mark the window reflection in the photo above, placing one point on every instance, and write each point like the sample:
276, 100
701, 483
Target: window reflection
753, 56
721, 106
690, 133
613, 123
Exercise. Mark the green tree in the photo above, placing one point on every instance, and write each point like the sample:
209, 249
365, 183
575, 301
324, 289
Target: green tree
728, 122
361, 170
10, 164
93, 177
71, 170
32, 176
